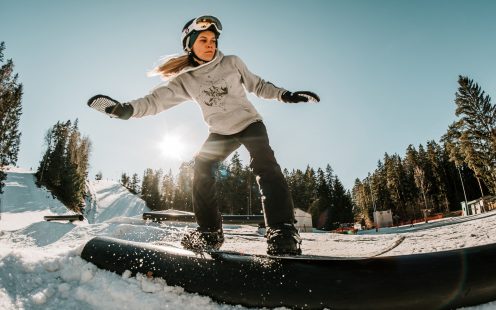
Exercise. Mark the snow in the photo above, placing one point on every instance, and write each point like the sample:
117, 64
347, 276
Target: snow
40, 266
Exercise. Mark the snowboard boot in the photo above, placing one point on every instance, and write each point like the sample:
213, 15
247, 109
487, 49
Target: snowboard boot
203, 241
283, 239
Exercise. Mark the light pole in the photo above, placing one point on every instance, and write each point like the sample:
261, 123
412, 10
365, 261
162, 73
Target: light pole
463, 187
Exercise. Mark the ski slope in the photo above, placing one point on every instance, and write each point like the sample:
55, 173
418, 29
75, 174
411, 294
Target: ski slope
40, 266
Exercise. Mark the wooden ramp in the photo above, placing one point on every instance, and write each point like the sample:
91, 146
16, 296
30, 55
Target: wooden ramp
177, 216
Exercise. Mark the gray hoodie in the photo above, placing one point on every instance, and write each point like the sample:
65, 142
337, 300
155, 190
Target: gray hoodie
219, 87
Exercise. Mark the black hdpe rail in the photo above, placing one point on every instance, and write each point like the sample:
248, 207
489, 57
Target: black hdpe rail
440, 280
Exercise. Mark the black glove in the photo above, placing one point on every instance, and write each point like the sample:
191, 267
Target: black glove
111, 107
300, 96
120, 110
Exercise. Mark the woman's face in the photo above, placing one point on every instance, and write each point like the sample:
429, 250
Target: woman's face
205, 45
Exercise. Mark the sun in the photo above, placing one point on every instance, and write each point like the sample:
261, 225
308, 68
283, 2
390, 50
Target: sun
172, 146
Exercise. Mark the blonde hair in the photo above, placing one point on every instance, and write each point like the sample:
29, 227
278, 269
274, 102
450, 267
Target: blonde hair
171, 66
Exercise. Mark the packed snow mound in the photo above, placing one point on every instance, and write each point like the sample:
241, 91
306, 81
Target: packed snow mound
22, 194
23, 202
109, 200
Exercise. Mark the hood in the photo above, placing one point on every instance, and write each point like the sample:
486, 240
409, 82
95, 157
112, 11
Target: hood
218, 57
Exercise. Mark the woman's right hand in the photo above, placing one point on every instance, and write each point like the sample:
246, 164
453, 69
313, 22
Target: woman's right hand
111, 107
120, 110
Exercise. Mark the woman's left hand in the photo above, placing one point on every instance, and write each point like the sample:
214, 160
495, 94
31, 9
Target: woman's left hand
300, 96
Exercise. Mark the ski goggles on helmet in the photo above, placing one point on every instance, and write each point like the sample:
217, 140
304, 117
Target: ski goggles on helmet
200, 24
205, 22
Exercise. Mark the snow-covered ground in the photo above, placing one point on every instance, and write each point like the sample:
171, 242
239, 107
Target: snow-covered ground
40, 267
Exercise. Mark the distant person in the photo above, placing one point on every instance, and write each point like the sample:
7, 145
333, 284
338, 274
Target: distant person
396, 220
218, 84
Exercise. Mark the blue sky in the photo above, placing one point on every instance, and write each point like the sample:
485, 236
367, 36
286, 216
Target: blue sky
386, 72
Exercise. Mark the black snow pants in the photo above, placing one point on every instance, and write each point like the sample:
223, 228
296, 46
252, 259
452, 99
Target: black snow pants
276, 198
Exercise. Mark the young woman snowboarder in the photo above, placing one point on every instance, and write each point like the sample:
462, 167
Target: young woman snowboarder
218, 84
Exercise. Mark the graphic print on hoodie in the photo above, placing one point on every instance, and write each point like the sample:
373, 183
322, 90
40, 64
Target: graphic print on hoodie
214, 94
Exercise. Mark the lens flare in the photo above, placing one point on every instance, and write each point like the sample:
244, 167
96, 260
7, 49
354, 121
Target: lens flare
172, 146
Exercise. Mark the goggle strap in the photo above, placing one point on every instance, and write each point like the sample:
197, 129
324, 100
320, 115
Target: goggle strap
186, 46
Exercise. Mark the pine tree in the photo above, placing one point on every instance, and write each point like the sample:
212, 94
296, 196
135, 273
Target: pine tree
146, 184
184, 186
71, 180
167, 191
362, 202
435, 155
454, 149
297, 188
421, 183
134, 186
310, 187
322, 209
380, 191
477, 128
393, 173
155, 199
150, 189
237, 190
56, 163
428, 181
42, 170
125, 180
10, 114
342, 203
412, 193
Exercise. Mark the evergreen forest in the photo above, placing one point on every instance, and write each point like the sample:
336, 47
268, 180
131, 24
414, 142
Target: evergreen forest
319, 192
64, 166
439, 176
10, 115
